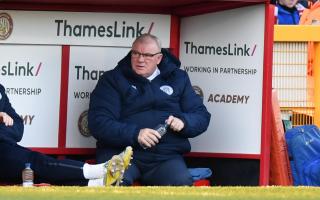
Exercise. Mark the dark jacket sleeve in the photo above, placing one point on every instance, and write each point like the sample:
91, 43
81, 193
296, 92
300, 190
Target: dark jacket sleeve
195, 115
104, 115
10, 133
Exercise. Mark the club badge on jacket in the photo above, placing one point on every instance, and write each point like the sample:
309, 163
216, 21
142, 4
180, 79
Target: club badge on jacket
167, 89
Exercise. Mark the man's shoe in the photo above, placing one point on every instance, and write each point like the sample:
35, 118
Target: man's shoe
116, 167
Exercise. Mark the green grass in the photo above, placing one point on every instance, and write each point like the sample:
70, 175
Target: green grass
153, 193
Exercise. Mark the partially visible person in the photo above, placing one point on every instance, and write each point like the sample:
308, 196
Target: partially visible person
146, 89
288, 12
311, 16
48, 169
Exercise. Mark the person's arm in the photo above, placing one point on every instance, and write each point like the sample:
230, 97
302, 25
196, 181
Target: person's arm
11, 123
194, 116
104, 115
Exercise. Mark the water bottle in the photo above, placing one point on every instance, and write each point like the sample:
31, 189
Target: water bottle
162, 129
27, 176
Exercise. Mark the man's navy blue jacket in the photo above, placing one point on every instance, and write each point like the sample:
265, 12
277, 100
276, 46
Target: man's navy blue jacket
123, 102
11, 134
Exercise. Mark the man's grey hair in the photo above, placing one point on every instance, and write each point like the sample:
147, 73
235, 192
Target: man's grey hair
146, 37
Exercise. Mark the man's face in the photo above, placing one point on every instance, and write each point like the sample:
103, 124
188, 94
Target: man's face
288, 3
145, 64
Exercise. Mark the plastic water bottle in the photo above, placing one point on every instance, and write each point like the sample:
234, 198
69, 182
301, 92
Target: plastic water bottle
27, 176
162, 129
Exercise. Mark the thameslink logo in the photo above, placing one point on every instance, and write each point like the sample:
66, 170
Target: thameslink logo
20, 69
226, 50
115, 30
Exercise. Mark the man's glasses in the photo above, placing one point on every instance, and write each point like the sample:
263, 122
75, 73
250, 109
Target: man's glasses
136, 54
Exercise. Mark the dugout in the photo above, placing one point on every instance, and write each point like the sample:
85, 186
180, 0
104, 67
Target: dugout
53, 51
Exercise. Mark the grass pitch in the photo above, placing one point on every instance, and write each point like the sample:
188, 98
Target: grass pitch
155, 193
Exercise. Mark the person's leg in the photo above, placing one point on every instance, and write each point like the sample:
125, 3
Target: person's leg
171, 172
72, 171
46, 168
54, 171
131, 175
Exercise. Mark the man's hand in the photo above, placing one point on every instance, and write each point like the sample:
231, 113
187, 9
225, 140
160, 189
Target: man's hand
6, 119
148, 138
175, 123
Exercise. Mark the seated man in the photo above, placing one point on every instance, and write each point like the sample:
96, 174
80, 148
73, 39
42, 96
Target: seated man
146, 89
47, 169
